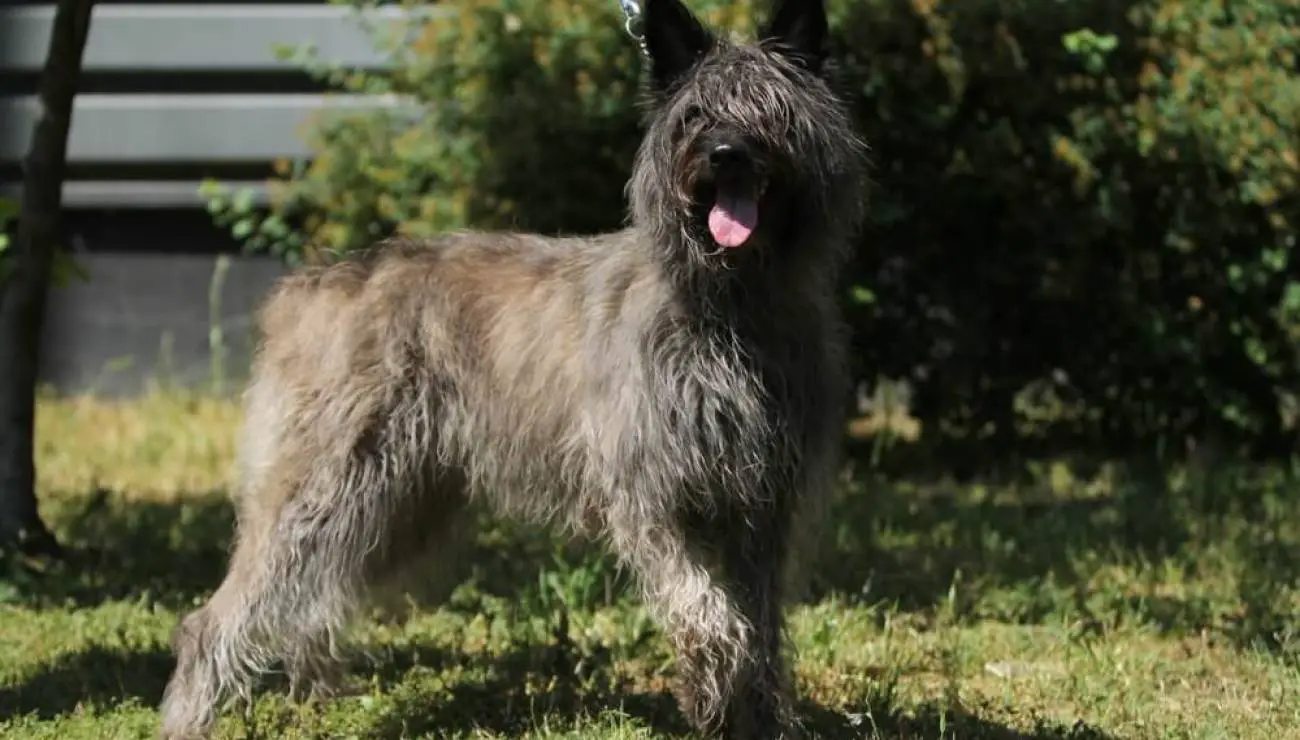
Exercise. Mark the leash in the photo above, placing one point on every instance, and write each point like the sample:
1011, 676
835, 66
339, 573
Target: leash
632, 22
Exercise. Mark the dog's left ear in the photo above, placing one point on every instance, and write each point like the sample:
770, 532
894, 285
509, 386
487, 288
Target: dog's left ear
675, 40
798, 30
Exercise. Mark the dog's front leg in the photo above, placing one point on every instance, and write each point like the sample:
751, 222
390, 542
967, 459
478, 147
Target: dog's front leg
754, 548
725, 622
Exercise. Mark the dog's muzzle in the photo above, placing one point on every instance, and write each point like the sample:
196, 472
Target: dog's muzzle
737, 187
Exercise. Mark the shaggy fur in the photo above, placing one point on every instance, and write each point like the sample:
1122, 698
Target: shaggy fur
675, 399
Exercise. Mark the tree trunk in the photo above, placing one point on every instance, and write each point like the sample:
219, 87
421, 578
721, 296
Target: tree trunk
25, 272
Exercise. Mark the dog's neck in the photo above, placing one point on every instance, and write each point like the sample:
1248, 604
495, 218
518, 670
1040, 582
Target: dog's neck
752, 289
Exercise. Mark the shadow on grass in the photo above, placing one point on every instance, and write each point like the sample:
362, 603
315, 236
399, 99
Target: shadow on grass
169, 553
523, 684
909, 547
96, 675
509, 692
534, 681
916, 546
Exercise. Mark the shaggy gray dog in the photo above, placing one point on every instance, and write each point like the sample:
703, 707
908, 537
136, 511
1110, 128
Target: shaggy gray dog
672, 390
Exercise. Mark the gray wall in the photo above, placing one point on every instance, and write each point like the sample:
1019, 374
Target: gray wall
144, 318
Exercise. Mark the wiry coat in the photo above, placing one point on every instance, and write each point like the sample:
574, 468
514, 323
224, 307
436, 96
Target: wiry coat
678, 401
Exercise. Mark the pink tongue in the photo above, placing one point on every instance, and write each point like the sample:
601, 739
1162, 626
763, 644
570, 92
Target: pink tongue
733, 219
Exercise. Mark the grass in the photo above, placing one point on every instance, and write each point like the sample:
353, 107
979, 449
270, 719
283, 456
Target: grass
1097, 607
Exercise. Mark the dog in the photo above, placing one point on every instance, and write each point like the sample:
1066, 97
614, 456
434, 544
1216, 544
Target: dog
674, 390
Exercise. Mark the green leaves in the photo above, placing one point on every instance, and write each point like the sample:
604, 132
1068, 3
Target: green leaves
1091, 47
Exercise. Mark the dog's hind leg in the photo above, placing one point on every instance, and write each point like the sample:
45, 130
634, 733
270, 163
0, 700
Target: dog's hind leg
217, 650
302, 566
288, 594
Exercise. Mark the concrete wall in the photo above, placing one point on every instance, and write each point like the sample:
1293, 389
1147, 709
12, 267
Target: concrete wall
144, 318
143, 315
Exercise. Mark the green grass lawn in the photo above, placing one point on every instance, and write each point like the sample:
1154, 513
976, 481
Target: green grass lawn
1094, 607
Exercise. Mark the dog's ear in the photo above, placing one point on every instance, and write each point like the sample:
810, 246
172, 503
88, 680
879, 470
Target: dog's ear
797, 29
674, 39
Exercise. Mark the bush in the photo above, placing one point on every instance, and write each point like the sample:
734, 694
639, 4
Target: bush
1091, 198
1083, 219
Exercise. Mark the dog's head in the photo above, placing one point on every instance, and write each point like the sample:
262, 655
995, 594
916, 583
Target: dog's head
747, 148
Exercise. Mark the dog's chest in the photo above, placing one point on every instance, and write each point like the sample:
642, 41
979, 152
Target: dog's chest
721, 412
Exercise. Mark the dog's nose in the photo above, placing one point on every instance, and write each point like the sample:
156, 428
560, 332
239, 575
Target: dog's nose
725, 156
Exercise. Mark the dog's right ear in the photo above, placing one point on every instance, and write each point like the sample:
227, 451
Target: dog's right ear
674, 39
799, 29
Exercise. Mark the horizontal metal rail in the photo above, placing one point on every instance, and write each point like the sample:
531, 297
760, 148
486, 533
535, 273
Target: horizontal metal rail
189, 130
197, 37
183, 128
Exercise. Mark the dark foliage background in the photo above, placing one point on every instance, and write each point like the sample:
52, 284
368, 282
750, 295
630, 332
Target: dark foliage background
1084, 212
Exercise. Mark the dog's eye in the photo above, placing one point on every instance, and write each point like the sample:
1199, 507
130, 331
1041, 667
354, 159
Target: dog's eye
689, 121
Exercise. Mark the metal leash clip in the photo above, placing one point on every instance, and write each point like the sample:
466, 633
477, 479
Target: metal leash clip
632, 22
